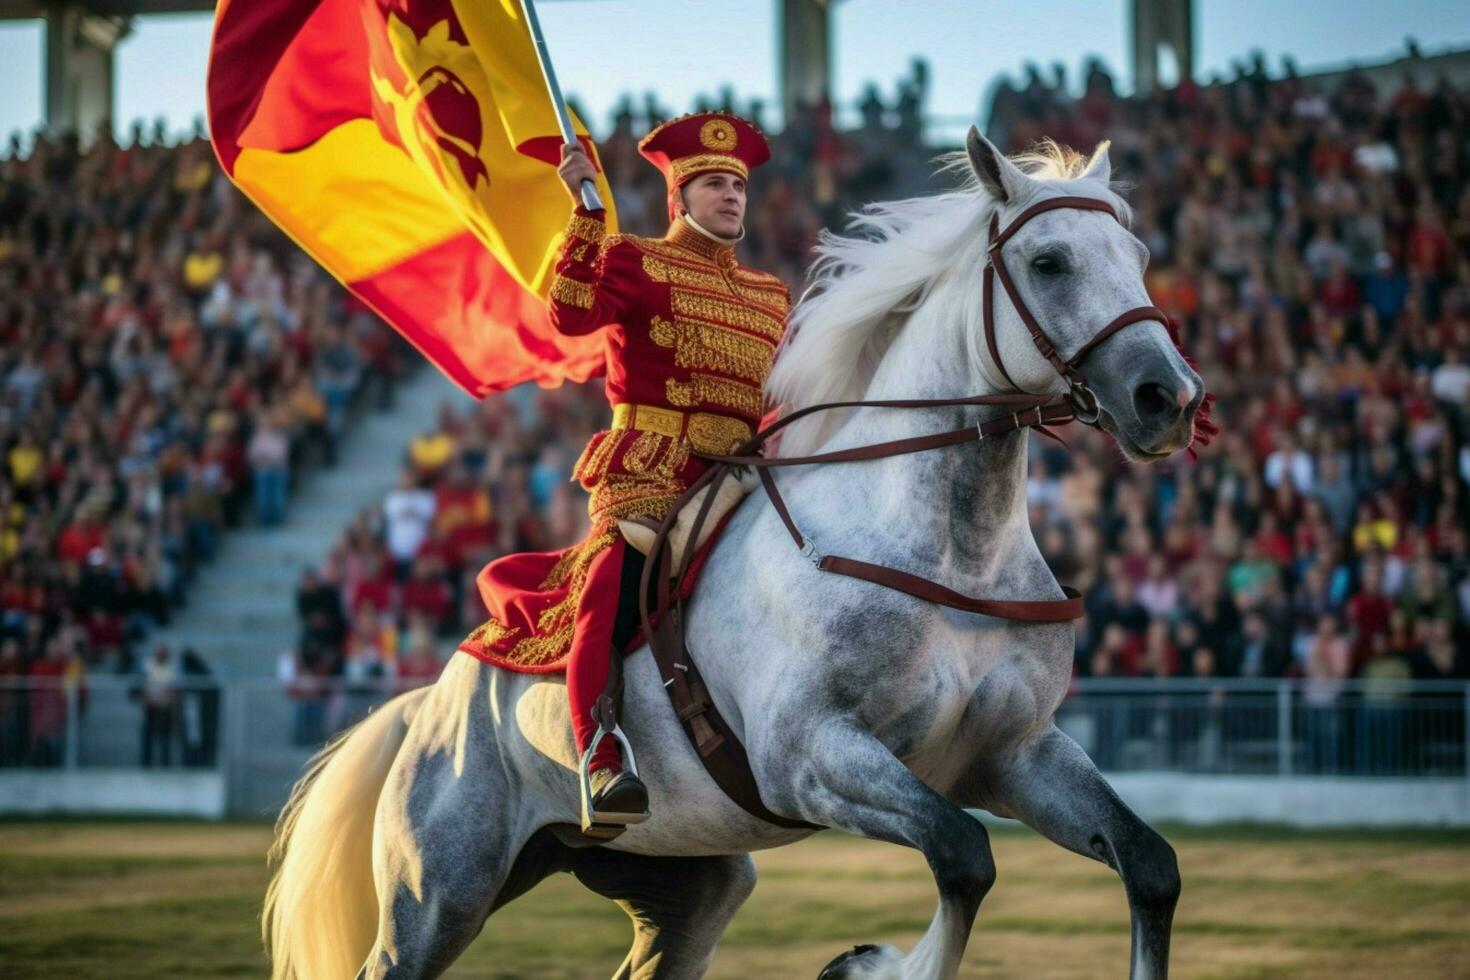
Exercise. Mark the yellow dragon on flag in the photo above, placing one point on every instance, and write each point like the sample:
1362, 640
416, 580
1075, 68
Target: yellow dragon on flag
409, 147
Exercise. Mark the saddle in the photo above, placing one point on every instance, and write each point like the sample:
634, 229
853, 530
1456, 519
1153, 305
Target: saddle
642, 534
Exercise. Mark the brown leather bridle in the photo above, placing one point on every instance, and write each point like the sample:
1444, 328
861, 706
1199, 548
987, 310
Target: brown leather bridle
1081, 396
716, 743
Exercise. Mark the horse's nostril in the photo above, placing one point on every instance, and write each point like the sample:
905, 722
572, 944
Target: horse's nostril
1152, 400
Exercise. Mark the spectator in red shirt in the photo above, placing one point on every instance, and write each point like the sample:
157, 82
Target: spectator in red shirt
1368, 611
53, 674
376, 587
1428, 248
1339, 292
427, 592
80, 537
1272, 541
1159, 657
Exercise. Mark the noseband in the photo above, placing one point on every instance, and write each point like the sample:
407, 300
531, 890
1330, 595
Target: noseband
1084, 402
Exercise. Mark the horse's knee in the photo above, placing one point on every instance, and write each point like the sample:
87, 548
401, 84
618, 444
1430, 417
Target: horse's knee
1163, 883
1151, 872
962, 862
969, 880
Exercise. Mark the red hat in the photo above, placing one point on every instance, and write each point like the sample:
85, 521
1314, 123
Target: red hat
701, 142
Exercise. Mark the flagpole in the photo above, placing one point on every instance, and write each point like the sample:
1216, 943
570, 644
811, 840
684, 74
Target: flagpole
590, 199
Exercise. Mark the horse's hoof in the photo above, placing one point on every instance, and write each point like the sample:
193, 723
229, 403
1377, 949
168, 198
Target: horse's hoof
865, 962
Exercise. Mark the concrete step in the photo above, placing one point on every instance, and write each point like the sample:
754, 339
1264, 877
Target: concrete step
241, 612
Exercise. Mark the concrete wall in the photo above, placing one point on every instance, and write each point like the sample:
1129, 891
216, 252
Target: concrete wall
1300, 801
1296, 801
131, 792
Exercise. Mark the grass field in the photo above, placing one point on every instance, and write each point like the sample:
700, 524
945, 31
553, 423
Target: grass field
170, 900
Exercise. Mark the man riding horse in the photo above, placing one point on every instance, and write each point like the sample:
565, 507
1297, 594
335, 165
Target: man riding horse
691, 336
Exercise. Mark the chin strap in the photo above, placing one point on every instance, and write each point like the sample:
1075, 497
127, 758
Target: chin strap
709, 234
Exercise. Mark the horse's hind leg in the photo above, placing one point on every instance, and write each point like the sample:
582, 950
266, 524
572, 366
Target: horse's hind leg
444, 850
1053, 787
680, 906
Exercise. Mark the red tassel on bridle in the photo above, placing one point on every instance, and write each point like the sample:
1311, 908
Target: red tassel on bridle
1205, 428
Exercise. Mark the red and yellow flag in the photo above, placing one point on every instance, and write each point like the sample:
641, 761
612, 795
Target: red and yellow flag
410, 147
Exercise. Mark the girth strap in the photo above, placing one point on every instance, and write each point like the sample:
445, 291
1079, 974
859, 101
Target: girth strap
713, 740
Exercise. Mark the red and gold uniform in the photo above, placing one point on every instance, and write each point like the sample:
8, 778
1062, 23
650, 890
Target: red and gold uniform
691, 335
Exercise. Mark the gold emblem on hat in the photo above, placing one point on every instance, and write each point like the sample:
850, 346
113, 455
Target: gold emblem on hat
717, 134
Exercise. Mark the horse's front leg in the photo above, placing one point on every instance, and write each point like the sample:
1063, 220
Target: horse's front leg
846, 778
1052, 786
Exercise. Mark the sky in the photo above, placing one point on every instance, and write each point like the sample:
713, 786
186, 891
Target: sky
682, 48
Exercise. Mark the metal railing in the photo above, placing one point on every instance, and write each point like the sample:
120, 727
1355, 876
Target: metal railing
254, 728
119, 722
1273, 727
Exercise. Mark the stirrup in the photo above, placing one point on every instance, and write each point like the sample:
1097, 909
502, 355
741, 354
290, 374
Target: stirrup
606, 824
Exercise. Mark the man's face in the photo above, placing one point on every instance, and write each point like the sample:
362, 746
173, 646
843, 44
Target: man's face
717, 202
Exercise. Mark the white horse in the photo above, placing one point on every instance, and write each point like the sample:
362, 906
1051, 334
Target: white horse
861, 708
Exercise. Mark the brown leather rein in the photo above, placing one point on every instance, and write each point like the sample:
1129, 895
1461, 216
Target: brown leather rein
1029, 411
723, 755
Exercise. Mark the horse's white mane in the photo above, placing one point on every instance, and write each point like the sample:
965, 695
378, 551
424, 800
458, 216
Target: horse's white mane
862, 285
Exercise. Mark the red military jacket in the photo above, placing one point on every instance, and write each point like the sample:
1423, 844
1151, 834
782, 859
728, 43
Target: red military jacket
691, 338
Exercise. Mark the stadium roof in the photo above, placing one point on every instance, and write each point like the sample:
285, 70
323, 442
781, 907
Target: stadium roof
33, 9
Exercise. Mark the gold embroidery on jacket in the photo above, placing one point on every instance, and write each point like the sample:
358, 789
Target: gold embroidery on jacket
596, 455
666, 249
675, 458
716, 433
555, 626
701, 345
620, 497
587, 229
491, 632
638, 457
569, 291
762, 280
769, 295
715, 310
706, 389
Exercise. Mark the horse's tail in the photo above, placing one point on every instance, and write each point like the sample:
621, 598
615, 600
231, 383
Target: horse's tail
321, 910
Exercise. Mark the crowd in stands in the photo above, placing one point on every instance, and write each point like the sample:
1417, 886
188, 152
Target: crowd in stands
1315, 248
168, 363
1312, 244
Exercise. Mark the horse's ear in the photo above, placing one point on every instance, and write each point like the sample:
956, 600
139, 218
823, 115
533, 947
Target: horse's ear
1003, 179
1099, 167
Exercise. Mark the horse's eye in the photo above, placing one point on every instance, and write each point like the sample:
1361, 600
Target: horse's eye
1048, 265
